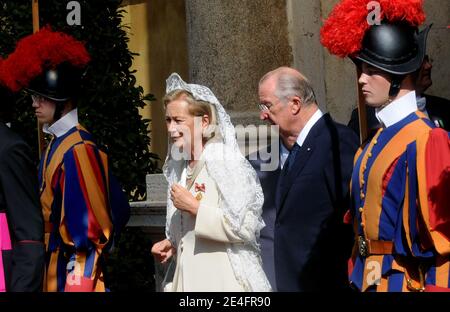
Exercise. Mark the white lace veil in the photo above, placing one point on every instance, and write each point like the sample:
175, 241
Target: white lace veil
241, 194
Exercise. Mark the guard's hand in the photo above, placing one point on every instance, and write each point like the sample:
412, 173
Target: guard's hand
183, 200
163, 250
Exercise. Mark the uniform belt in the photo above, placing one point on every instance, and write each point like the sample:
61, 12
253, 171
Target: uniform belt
369, 247
48, 227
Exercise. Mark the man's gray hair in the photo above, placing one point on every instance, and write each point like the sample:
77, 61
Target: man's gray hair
289, 83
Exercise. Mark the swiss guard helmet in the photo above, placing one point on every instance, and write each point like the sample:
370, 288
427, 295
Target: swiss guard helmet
59, 84
397, 48
393, 45
47, 63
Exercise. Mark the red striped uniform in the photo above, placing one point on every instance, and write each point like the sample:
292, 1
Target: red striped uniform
75, 200
400, 208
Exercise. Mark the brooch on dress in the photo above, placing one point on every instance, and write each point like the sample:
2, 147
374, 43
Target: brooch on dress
199, 188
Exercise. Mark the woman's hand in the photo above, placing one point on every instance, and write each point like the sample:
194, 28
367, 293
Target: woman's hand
183, 200
163, 250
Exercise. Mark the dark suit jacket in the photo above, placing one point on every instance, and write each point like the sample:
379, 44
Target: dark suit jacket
19, 198
311, 242
438, 110
372, 122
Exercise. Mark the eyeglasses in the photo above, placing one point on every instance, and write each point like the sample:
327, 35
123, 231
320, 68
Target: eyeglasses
37, 98
265, 107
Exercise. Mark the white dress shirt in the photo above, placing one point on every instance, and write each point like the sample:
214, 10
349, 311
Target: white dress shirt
284, 152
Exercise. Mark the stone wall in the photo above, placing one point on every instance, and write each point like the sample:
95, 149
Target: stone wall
438, 13
232, 44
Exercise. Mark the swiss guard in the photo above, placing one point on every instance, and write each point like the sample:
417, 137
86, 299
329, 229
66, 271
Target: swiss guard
83, 206
401, 178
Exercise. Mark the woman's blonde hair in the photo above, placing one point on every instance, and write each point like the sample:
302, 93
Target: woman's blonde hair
195, 108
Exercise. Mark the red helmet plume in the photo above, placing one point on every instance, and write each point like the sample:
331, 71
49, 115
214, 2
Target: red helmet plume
38, 52
346, 25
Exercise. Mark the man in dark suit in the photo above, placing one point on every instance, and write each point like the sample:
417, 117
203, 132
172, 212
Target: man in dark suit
305, 200
21, 221
437, 108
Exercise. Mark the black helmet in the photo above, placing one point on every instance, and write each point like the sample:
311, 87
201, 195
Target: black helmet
396, 48
59, 84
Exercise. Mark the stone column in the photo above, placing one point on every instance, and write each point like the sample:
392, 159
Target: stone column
232, 44
340, 78
168, 54
438, 45
304, 36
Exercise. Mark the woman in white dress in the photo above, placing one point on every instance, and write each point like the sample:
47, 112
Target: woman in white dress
214, 202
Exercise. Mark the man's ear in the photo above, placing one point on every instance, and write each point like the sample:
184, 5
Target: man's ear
295, 105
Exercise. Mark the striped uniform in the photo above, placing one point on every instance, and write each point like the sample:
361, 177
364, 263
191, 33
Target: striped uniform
400, 208
74, 195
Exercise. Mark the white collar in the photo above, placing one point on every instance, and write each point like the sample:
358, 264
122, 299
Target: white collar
62, 125
284, 152
311, 122
397, 110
